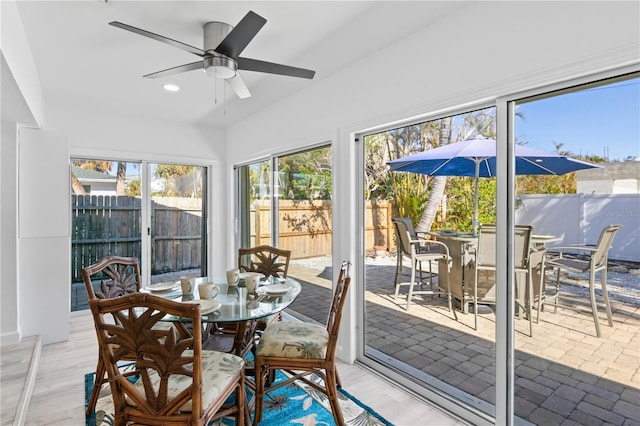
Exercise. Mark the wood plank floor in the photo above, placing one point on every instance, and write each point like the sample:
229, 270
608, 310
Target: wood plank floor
58, 396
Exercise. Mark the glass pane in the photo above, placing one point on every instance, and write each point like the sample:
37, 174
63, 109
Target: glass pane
564, 372
178, 222
303, 192
105, 217
254, 204
421, 337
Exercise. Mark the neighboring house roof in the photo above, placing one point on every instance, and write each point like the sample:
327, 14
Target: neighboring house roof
91, 175
620, 170
613, 178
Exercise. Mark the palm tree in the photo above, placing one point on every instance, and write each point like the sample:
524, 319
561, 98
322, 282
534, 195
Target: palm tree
99, 166
437, 184
76, 186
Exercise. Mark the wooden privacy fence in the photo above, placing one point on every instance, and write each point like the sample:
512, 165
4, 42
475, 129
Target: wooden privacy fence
105, 225
305, 226
111, 225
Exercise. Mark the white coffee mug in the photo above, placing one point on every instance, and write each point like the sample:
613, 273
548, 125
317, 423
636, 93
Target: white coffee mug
251, 281
233, 276
186, 285
207, 290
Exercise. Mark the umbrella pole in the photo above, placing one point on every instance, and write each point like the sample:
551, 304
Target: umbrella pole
475, 204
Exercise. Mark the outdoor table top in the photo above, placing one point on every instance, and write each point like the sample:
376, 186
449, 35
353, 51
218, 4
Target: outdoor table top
235, 303
469, 237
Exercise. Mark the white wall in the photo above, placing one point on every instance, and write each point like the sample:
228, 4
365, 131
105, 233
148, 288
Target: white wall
9, 333
16, 53
19, 82
580, 218
484, 51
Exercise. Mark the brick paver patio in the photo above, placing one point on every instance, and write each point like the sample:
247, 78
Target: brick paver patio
564, 373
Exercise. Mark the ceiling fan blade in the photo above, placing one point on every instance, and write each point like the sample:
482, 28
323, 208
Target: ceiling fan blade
176, 70
271, 68
159, 38
238, 86
240, 36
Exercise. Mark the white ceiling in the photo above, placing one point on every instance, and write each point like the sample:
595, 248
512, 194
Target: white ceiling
83, 61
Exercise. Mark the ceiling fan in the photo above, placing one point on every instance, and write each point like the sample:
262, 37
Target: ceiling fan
221, 58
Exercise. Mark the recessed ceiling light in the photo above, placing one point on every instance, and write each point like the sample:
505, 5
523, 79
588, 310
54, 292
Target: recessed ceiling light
171, 87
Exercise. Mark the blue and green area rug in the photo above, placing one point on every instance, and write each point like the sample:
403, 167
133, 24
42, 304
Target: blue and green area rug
293, 404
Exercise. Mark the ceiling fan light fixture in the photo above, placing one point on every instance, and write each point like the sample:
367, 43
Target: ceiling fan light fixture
171, 88
220, 67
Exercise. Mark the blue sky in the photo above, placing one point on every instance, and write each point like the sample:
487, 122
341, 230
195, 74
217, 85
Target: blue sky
598, 121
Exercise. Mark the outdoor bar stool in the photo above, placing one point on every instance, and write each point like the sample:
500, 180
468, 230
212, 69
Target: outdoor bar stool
594, 259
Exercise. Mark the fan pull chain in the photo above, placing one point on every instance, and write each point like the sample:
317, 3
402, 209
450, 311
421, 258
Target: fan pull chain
224, 98
215, 87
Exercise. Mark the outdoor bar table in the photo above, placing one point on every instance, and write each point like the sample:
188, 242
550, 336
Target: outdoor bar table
236, 307
461, 275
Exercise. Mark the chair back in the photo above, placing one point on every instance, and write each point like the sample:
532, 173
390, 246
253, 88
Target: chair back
335, 312
403, 236
600, 256
118, 276
165, 376
264, 259
486, 250
408, 223
522, 239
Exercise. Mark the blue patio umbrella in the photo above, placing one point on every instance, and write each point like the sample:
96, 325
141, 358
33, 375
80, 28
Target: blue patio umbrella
476, 157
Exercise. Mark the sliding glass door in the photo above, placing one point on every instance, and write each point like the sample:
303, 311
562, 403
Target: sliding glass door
564, 372
177, 228
519, 357
285, 201
420, 338
106, 217
254, 204
155, 212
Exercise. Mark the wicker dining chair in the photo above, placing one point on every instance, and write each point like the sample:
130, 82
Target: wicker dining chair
172, 379
269, 261
116, 276
264, 259
303, 350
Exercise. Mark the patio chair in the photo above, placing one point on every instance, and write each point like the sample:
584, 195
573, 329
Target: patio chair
413, 235
418, 251
485, 268
304, 351
586, 258
172, 380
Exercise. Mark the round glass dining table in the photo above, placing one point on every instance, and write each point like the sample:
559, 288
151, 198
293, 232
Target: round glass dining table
235, 302
233, 308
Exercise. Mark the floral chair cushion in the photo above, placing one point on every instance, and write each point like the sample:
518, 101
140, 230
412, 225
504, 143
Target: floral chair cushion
218, 370
294, 340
